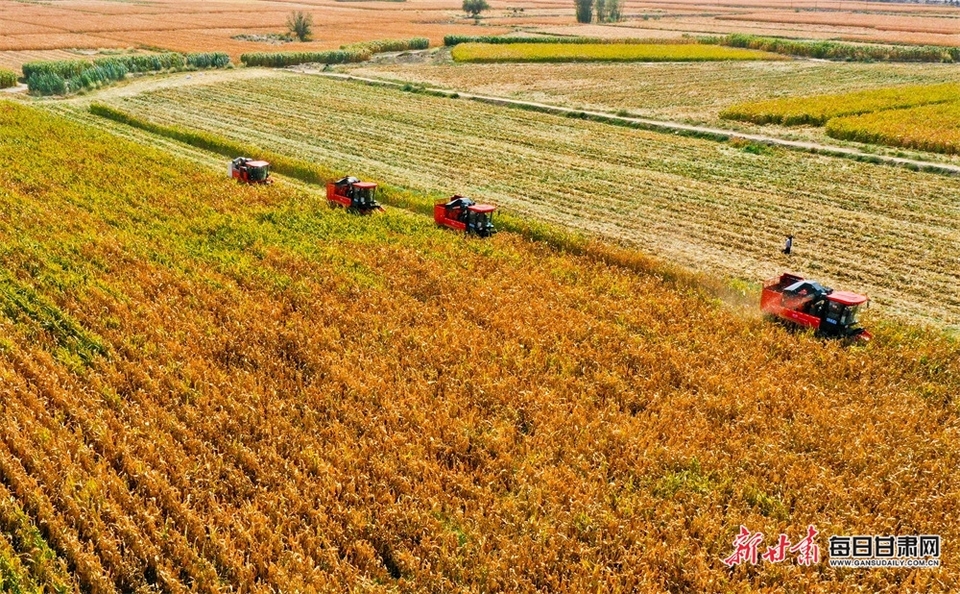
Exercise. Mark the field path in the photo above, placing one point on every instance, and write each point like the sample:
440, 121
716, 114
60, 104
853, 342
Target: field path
672, 127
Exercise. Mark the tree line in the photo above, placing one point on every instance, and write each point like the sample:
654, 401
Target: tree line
607, 11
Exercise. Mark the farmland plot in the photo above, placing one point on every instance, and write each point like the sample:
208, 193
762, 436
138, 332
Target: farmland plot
818, 109
887, 232
213, 387
931, 128
191, 26
687, 92
619, 52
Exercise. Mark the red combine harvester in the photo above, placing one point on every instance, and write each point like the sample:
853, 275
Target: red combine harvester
465, 215
247, 170
811, 305
354, 194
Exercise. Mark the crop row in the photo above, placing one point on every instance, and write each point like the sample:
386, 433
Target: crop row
283, 59
817, 110
832, 50
658, 192
826, 50
356, 52
934, 128
452, 40
296, 399
389, 45
61, 77
133, 63
604, 52
7, 78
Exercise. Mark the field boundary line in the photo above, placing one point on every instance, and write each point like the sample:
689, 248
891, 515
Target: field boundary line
664, 126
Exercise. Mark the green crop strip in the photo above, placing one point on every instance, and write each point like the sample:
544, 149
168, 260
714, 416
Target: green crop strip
818, 109
23, 305
602, 52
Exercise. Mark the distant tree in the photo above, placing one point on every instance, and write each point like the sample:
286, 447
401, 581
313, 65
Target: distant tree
475, 7
584, 10
600, 6
614, 11
300, 25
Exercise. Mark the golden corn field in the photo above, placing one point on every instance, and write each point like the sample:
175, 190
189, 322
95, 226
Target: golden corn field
710, 206
817, 110
933, 128
617, 52
214, 387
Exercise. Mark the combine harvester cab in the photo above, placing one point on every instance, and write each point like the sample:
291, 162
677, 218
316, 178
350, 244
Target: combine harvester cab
463, 214
353, 194
249, 171
833, 314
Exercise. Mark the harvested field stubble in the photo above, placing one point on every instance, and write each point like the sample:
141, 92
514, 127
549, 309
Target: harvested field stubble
49, 41
941, 24
288, 397
699, 203
187, 26
692, 91
17, 28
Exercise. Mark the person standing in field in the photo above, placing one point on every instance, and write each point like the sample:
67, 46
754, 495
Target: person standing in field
789, 245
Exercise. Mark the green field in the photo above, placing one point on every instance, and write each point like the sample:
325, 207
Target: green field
602, 52
710, 206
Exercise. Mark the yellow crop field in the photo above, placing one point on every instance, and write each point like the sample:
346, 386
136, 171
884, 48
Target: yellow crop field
816, 110
214, 387
709, 206
933, 128
613, 52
